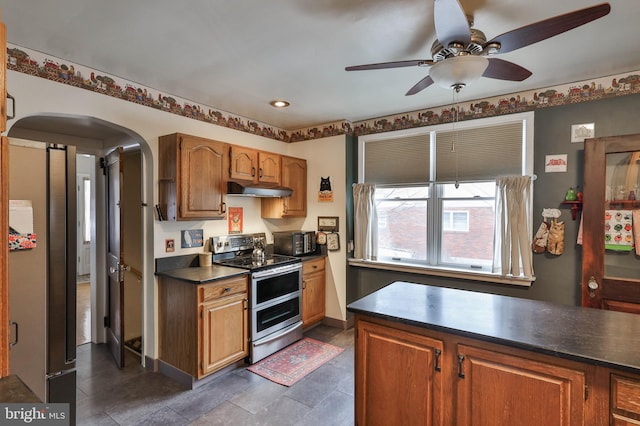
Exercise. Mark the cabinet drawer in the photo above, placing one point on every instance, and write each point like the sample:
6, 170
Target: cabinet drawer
220, 289
625, 396
311, 266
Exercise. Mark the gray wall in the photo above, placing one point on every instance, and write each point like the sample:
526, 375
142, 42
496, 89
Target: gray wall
557, 277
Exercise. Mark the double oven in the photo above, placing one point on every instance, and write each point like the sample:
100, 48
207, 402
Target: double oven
275, 295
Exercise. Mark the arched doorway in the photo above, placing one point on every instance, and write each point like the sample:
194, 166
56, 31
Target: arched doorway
95, 138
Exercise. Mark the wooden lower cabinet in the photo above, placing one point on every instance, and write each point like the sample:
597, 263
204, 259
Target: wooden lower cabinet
204, 327
313, 291
625, 400
224, 332
410, 375
494, 388
398, 379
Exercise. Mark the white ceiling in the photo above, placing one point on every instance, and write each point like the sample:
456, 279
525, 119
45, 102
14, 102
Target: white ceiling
239, 55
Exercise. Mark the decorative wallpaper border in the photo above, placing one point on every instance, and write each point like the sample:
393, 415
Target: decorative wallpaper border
35, 63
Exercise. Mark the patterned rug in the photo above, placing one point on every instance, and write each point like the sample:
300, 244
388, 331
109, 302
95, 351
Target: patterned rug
292, 363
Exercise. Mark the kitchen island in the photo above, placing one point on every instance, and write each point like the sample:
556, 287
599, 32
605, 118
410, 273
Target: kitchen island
461, 357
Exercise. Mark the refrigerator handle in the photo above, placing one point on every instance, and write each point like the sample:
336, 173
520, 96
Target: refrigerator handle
15, 342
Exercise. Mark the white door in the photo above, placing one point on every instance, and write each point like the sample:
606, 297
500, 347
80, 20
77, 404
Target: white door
84, 223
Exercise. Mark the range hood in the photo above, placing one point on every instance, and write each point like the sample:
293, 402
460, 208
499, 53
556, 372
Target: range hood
253, 190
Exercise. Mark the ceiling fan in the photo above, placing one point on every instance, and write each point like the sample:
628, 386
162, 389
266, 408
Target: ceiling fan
462, 54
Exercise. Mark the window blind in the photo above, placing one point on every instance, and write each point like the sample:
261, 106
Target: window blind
481, 153
398, 160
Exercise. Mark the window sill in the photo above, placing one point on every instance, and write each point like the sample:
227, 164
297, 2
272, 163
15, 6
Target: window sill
442, 272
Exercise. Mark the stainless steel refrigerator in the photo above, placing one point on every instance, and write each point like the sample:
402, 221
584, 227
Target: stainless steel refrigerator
42, 292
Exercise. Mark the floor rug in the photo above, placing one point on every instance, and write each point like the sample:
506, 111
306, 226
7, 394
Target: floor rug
292, 363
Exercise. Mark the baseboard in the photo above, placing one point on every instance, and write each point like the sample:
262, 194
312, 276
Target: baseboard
150, 364
336, 323
190, 381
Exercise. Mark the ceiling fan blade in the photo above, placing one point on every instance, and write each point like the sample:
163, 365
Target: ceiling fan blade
505, 70
421, 85
396, 64
450, 22
542, 30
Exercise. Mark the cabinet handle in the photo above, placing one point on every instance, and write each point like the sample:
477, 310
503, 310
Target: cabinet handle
227, 289
253, 172
460, 371
223, 207
15, 342
438, 353
13, 107
260, 172
246, 304
304, 285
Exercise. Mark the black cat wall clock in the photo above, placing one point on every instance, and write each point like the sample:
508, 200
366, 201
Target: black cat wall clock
325, 195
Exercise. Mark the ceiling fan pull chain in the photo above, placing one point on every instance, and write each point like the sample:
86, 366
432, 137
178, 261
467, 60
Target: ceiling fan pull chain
456, 111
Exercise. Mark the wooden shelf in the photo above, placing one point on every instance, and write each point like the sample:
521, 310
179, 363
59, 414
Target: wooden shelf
624, 204
575, 206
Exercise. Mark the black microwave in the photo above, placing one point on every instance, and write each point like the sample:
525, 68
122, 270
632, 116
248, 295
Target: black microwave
294, 243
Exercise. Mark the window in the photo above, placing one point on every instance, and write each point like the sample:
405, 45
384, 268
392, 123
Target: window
455, 220
435, 189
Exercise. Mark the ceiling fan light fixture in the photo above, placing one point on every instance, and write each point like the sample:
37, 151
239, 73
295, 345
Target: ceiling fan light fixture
458, 71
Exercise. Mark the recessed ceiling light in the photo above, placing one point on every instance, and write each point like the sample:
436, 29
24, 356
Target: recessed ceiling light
279, 104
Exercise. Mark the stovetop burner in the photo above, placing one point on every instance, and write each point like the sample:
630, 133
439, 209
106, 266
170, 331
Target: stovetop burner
248, 262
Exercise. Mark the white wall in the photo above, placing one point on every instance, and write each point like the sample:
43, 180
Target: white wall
36, 95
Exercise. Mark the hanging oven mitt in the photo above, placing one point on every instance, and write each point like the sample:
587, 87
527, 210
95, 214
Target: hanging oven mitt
540, 239
555, 244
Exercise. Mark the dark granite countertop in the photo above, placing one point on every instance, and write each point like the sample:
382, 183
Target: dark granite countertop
13, 390
203, 274
593, 336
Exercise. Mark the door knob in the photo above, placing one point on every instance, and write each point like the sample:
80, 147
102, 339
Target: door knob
593, 286
112, 270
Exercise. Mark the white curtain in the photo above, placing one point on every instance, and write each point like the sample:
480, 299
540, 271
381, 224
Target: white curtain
512, 242
365, 219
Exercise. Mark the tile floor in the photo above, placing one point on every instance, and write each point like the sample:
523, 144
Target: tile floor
133, 396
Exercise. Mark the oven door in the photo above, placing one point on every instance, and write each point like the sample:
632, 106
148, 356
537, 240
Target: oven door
275, 283
270, 318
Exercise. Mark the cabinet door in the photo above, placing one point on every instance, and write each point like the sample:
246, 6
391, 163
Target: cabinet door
224, 332
269, 168
398, 377
244, 163
610, 267
202, 180
313, 297
500, 389
294, 175
625, 400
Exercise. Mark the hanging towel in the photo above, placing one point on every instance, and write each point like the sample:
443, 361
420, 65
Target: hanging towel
618, 230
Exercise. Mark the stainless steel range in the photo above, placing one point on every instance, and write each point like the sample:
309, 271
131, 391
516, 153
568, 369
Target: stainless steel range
275, 295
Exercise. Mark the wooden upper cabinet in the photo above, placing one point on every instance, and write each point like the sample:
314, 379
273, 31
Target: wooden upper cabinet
192, 177
294, 176
269, 170
250, 165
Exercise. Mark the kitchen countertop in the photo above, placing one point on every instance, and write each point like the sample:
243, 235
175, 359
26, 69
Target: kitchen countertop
203, 274
593, 336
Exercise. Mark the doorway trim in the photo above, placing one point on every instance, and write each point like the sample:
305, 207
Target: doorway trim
95, 136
